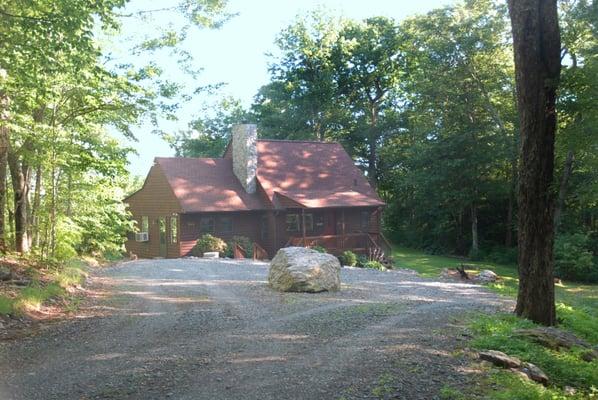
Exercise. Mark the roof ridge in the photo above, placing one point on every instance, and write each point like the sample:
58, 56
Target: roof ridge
296, 141
190, 158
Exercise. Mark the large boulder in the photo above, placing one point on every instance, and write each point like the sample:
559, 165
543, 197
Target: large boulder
297, 269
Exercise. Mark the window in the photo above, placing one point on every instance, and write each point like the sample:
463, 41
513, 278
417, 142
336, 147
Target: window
309, 222
174, 229
206, 225
365, 220
144, 224
225, 224
319, 221
292, 222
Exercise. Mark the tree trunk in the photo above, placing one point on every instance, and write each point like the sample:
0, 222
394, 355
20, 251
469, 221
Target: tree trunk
536, 44
563, 189
4, 141
475, 245
35, 234
511, 206
19, 173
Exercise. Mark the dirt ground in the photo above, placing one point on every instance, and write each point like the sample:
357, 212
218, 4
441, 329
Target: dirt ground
212, 329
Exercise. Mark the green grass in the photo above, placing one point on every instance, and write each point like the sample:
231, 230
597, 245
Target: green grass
564, 367
577, 311
31, 298
449, 393
72, 273
6, 305
431, 265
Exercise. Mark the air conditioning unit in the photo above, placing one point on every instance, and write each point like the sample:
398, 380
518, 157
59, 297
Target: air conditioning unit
141, 237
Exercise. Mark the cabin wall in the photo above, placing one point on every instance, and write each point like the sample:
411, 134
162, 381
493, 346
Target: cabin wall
154, 200
243, 224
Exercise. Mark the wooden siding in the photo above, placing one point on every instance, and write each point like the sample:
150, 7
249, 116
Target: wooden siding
154, 200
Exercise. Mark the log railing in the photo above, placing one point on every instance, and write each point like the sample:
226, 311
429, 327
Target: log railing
258, 252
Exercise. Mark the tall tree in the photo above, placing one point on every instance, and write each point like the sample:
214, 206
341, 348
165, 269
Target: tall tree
537, 49
302, 99
451, 162
208, 135
369, 65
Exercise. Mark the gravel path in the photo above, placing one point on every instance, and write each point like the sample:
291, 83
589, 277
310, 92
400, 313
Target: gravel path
200, 329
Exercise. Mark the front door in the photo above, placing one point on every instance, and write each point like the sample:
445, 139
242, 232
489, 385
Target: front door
162, 228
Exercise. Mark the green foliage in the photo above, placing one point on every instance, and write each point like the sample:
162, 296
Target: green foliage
457, 150
573, 258
57, 100
68, 236
499, 255
244, 242
208, 135
348, 258
361, 261
208, 243
374, 265
319, 249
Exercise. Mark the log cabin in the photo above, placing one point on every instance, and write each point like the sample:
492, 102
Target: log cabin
277, 193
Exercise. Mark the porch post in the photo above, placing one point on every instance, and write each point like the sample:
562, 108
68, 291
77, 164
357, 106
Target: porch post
343, 229
303, 225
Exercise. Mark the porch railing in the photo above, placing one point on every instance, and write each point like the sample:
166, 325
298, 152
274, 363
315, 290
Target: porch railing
258, 252
357, 242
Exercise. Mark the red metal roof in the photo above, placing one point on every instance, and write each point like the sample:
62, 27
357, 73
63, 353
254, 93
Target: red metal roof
207, 184
312, 174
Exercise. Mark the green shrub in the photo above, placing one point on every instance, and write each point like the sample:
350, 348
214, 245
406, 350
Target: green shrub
348, 258
361, 261
499, 255
319, 249
242, 241
208, 243
573, 259
68, 236
375, 265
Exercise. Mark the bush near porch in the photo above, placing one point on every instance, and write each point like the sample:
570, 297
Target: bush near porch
208, 243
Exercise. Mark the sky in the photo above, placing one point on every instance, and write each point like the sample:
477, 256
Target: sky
236, 54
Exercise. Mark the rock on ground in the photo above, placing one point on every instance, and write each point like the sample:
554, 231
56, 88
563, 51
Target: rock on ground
297, 269
501, 359
553, 338
535, 373
486, 276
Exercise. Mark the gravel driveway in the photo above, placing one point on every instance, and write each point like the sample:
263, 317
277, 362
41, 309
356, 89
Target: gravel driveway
201, 329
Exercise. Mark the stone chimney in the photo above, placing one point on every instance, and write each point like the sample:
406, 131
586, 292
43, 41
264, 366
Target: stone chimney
245, 155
